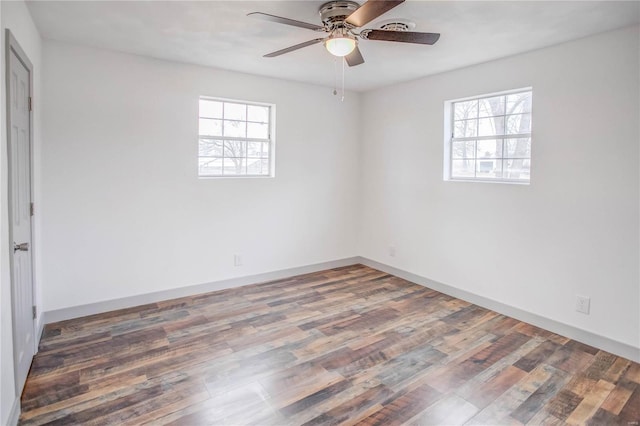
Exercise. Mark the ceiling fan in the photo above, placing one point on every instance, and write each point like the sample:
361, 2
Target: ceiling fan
341, 19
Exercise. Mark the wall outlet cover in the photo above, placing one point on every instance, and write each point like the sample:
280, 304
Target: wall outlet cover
583, 304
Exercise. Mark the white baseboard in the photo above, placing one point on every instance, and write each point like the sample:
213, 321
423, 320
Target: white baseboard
14, 414
618, 348
143, 299
601, 342
39, 327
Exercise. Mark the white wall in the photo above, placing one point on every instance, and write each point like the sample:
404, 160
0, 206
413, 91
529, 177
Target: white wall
123, 210
124, 214
16, 17
573, 231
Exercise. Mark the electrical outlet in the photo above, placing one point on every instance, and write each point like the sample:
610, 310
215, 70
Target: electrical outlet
583, 304
237, 260
392, 251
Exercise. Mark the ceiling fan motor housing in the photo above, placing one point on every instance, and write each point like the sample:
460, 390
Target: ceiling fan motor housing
334, 13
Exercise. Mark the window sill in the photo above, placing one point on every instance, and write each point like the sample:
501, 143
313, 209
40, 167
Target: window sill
235, 177
508, 182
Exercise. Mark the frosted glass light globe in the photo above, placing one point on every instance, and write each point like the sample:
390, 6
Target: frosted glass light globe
340, 46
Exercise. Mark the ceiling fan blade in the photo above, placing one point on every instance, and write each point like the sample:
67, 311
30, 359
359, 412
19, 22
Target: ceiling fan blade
354, 58
286, 21
292, 48
403, 36
370, 11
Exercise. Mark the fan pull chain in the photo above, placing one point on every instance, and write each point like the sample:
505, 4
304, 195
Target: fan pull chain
335, 75
343, 61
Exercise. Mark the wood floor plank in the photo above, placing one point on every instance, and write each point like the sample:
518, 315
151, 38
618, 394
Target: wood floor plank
536, 401
342, 346
309, 401
616, 400
398, 410
290, 385
451, 410
536, 356
499, 411
590, 403
570, 360
630, 413
562, 404
488, 391
356, 407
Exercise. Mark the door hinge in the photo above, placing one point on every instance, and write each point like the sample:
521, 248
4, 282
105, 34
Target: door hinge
31, 209
30, 104
35, 312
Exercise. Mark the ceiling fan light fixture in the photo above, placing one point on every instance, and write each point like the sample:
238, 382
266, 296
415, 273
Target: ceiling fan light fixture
340, 45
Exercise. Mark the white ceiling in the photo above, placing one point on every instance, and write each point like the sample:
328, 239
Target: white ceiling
219, 34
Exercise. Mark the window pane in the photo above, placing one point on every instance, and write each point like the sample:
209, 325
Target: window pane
235, 129
517, 169
258, 113
210, 109
210, 148
518, 148
519, 123
491, 126
489, 107
488, 135
258, 149
265, 167
223, 146
235, 148
257, 167
210, 127
465, 110
490, 148
519, 103
254, 166
234, 166
235, 111
254, 149
463, 168
257, 130
463, 149
209, 166
465, 128
488, 168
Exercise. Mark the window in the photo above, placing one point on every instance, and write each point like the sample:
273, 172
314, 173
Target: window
489, 138
236, 138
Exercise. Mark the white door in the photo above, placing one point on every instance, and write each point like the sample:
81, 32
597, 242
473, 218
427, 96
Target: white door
19, 150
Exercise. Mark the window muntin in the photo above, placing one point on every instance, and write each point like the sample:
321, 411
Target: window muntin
490, 138
235, 138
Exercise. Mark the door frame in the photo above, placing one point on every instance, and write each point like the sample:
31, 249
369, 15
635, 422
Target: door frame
12, 46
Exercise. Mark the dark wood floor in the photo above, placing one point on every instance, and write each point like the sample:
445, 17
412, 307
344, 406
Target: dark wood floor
341, 346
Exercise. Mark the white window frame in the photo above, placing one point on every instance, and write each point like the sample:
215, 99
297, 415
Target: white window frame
449, 138
271, 140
